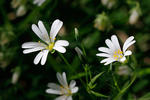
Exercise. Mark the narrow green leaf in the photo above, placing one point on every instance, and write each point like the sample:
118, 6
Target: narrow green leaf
94, 79
98, 94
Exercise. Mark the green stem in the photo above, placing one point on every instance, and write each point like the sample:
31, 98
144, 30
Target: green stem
65, 60
114, 79
124, 89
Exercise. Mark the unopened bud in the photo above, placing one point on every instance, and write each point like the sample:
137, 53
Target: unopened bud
108, 3
21, 11
38, 2
76, 33
134, 15
15, 3
79, 52
15, 75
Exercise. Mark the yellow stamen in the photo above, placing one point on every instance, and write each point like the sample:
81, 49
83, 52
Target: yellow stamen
66, 88
51, 38
50, 46
118, 54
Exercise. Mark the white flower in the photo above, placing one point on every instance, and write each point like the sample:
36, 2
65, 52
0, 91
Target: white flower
134, 17
114, 52
38, 2
64, 89
49, 41
108, 3
21, 11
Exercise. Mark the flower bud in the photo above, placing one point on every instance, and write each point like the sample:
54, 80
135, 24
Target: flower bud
76, 33
134, 15
21, 11
79, 52
108, 3
15, 3
15, 75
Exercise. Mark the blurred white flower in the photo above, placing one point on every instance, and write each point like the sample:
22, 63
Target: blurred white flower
134, 16
66, 91
124, 70
38, 2
49, 41
15, 3
21, 11
108, 3
114, 52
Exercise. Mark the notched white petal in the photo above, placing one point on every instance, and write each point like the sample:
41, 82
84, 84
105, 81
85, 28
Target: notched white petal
57, 24
60, 49
54, 86
74, 90
72, 84
62, 43
52, 91
38, 58
104, 49
127, 53
26, 51
103, 55
44, 58
115, 41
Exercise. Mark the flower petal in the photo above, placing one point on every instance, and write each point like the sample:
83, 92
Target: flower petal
69, 98
57, 24
72, 84
43, 32
123, 59
103, 55
37, 31
115, 41
128, 45
54, 86
52, 91
38, 58
74, 90
109, 61
60, 79
44, 58
128, 41
104, 49
33, 45
127, 53
64, 97
106, 60
26, 51
62, 43
59, 49
64, 78
110, 45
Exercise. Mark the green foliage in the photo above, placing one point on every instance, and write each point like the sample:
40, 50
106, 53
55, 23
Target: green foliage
86, 25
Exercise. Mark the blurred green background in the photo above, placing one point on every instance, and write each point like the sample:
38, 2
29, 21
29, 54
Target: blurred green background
96, 20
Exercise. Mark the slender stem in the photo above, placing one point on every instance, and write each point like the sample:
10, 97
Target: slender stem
66, 61
114, 79
115, 82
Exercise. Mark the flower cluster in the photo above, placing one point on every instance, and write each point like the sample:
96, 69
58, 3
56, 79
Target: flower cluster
113, 53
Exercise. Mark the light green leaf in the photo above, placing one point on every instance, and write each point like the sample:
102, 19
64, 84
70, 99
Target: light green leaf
94, 79
99, 94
